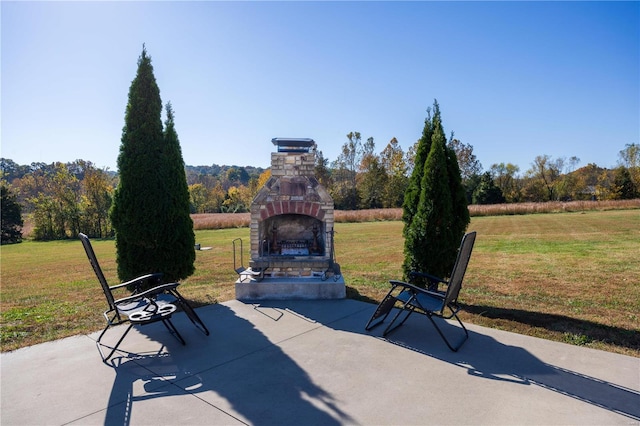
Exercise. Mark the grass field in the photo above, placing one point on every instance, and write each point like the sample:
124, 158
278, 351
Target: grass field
571, 277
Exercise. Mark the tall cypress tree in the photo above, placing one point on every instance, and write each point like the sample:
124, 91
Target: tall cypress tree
441, 215
180, 238
460, 210
149, 211
412, 193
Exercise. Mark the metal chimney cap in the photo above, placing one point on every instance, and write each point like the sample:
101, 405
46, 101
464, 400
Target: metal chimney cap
294, 144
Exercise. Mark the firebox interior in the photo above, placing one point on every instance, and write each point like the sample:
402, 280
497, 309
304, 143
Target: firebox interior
292, 235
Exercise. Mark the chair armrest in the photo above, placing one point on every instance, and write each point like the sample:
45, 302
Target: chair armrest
147, 293
139, 280
425, 275
416, 289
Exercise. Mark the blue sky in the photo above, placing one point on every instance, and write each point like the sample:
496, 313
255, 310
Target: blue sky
513, 79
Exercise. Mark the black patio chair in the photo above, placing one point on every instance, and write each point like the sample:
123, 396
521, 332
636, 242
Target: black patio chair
431, 302
156, 304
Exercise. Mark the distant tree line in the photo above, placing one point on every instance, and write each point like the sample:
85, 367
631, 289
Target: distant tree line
222, 189
64, 198
361, 179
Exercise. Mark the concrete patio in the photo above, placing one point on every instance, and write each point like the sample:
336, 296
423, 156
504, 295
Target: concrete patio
312, 362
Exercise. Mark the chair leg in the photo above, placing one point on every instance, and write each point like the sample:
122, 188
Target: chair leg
382, 311
191, 313
99, 345
407, 306
389, 328
173, 330
459, 345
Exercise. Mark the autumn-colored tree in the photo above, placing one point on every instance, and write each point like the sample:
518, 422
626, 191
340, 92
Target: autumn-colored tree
394, 162
321, 170
506, 178
630, 159
56, 208
96, 201
344, 190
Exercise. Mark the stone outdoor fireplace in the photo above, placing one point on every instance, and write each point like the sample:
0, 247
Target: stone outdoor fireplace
291, 233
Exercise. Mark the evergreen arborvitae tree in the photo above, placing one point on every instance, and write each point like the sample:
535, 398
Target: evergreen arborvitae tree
412, 193
180, 238
461, 217
441, 216
150, 211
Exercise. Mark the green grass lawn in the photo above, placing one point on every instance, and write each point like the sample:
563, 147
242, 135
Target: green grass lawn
571, 277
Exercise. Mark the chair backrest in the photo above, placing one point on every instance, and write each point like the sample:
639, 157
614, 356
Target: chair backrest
459, 268
96, 268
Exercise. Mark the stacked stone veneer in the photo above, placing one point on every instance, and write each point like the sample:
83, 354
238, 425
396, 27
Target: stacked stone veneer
291, 189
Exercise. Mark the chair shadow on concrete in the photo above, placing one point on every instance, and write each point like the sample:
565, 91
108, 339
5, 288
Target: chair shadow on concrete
232, 370
589, 330
485, 357
494, 360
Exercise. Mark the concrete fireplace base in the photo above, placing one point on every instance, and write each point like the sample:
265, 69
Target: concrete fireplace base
287, 288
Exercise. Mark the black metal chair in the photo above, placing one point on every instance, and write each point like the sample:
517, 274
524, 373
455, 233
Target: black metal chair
156, 304
431, 302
